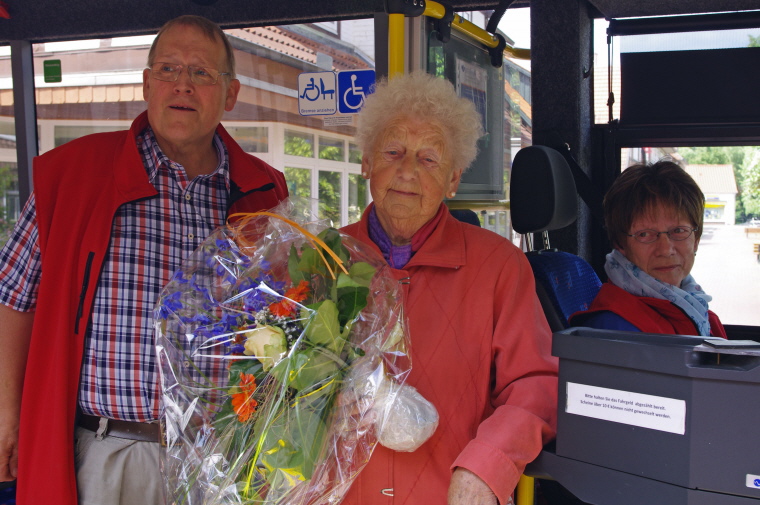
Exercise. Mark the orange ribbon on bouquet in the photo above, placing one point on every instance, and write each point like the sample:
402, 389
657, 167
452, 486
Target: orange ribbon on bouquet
315, 241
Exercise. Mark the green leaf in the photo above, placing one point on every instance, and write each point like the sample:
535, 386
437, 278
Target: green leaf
307, 369
295, 274
351, 300
345, 281
324, 329
332, 239
362, 273
251, 366
295, 439
310, 262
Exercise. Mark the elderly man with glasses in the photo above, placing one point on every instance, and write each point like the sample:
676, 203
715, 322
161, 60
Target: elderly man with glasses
111, 218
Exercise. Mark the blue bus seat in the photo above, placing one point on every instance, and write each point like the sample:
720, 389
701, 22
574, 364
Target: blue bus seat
569, 282
8, 493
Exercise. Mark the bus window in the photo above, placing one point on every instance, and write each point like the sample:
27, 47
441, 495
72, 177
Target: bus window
606, 74
101, 90
608, 78
10, 206
727, 265
683, 95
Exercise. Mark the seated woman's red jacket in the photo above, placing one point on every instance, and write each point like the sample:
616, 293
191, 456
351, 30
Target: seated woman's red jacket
650, 315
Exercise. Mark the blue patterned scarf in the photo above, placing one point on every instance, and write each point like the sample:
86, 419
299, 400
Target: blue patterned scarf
689, 297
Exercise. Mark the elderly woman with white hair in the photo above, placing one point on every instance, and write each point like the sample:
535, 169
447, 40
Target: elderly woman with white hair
481, 347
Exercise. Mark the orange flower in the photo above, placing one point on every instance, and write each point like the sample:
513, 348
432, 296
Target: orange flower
243, 402
286, 307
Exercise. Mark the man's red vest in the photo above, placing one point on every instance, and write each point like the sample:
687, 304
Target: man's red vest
650, 315
78, 187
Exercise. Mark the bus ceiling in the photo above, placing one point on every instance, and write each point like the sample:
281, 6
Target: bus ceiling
50, 20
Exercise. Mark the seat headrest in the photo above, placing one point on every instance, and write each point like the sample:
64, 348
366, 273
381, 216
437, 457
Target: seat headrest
466, 216
542, 191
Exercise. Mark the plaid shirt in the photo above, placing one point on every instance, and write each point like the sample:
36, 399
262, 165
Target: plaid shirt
149, 240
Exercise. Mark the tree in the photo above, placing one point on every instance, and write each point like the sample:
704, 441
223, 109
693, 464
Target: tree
8, 181
329, 196
299, 146
751, 184
299, 179
746, 163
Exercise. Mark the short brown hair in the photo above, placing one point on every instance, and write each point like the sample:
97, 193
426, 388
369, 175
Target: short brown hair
640, 188
208, 27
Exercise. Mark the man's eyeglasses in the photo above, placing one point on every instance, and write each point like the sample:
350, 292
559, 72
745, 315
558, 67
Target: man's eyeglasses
169, 72
677, 233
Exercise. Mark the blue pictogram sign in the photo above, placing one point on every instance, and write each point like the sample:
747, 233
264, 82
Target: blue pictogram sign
353, 88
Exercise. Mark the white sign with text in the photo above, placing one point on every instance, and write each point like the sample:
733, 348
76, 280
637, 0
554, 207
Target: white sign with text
636, 409
316, 94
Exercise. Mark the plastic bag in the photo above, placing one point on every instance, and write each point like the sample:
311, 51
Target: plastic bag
258, 336
404, 418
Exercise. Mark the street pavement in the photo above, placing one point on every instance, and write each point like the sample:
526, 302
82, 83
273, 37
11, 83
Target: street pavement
728, 270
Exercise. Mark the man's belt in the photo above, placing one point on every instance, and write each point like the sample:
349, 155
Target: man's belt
102, 426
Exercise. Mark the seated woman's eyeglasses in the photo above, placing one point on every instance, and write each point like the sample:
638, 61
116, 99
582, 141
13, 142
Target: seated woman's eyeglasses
169, 72
675, 233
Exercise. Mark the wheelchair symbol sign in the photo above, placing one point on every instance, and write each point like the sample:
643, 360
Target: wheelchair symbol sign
353, 88
316, 93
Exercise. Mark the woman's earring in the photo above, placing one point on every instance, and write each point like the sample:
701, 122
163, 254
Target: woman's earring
452, 194
365, 174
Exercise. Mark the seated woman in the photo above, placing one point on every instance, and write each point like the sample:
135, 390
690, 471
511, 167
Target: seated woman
480, 344
653, 214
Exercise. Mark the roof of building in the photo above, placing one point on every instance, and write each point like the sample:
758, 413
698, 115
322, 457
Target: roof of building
304, 46
714, 178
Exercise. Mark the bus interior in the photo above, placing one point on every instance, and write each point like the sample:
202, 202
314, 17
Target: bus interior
603, 83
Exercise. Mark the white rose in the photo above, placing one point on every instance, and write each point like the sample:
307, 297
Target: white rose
267, 343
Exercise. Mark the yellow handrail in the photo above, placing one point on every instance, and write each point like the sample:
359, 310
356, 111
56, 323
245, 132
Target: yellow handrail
437, 11
395, 45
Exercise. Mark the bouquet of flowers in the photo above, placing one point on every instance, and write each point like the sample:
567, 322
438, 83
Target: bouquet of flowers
283, 357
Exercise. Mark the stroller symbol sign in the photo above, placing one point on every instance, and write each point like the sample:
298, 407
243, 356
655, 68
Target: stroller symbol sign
316, 93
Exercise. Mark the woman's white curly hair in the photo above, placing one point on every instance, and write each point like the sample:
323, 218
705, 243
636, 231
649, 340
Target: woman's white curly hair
422, 96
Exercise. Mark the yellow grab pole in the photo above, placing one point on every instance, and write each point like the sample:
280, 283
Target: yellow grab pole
395, 45
525, 490
437, 11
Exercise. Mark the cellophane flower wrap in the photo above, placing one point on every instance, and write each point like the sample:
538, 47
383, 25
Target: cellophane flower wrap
272, 353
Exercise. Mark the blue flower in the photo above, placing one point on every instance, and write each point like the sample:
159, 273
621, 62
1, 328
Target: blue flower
223, 244
246, 284
203, 290
236, 349
203, 318
229, 321
255, 300
169, 305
